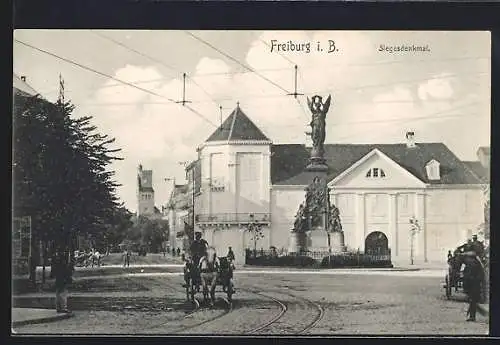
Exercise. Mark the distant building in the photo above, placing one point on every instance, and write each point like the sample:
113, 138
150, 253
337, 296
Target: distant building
146, 195
21, 87
178, 213
241, 177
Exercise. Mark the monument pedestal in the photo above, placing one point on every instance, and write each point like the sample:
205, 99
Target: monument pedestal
337, 242
317, 240
297, 242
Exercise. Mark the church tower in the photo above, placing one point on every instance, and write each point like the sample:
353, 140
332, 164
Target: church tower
145, 192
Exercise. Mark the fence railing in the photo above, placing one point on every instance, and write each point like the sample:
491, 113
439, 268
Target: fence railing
233, 218
315, 258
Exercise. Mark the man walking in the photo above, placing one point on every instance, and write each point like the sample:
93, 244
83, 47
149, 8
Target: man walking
473, 278
62, 271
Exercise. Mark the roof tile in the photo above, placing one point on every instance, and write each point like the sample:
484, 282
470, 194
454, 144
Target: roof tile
237, 126
289, 161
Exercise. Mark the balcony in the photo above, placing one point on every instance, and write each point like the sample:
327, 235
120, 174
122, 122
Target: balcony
233, 218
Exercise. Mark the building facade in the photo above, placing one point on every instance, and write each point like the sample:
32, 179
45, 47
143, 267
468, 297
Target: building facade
145, 192
177, 213
383, 192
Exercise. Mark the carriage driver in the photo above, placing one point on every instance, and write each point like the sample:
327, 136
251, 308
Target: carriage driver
198, 248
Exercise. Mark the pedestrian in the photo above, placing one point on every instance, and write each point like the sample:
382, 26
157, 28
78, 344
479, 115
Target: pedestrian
450, 255
230, 254
62, 270
473, 278
478, 247
178, 251
126, 258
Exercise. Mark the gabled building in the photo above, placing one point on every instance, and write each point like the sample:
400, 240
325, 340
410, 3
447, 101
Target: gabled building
380, 189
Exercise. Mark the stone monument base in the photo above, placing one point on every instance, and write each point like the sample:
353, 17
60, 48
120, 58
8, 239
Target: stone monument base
297, 242
337, 242
317, 241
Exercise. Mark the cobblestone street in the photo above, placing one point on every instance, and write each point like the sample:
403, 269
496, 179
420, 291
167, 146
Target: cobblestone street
265, 303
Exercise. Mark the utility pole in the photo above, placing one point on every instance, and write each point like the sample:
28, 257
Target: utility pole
61, 89
295, 94
184, 101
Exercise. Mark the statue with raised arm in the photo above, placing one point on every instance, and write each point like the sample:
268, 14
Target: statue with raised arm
318, 133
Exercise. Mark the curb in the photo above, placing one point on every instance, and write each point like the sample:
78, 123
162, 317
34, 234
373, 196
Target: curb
47, 319
339, 269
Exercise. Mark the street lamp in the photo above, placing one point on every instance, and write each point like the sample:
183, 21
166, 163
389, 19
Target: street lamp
414, 229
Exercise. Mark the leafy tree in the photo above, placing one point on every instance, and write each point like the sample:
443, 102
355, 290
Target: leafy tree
255, 230
149, 232
60, 171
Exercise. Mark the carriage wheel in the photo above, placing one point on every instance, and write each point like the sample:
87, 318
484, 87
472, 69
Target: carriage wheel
448, 287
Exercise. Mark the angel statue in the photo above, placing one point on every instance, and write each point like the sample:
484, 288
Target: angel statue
318, 110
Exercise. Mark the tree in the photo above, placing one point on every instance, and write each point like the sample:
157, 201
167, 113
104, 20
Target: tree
149, 232
60, 171
255, 229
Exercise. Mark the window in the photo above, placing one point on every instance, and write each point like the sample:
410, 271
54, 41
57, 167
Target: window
405, 204
375, 173
218, 166
432, 169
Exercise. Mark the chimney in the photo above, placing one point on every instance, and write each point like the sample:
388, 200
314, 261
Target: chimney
23, 78
410, 141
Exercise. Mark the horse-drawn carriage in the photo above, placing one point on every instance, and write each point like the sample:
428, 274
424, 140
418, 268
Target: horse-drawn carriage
208, 276
454, 279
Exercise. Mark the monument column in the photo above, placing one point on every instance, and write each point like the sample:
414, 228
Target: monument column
360, 221
393, 223
421, 237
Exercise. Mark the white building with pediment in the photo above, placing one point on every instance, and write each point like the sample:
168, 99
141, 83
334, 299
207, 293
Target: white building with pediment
240, 177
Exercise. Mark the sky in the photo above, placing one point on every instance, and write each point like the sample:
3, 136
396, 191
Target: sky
131, 83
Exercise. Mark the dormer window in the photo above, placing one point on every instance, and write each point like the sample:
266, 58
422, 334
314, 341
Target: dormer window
432, 170
375, 173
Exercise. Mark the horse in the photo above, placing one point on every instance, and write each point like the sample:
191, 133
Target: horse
191, 277
209, 271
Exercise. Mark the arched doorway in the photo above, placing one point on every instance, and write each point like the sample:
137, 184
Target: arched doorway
376, 243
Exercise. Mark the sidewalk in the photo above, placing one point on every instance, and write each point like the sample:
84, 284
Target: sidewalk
30, 316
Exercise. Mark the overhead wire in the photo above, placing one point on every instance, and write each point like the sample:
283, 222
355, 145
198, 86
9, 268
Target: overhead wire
235, 60
154, 60
361, 87
110, 77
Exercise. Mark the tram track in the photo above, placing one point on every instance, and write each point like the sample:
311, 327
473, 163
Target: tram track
283, 305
